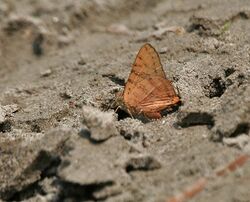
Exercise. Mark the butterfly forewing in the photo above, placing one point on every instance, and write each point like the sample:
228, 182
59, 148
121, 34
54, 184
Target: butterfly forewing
146, 65
147, 62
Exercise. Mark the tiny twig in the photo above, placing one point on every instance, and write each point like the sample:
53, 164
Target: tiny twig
200, 184
238, 162
190, 192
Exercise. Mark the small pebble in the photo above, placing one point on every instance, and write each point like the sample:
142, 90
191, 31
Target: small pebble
81, 62
46, 73
239, 142
66, 94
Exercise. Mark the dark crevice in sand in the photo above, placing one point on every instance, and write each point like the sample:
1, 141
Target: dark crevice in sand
241, 79
115, 79
28, 192
219, 85
229, 71
80, 192
240, 129
84, 133
5, 126
129, 135
122, 114
216, 88
37, 45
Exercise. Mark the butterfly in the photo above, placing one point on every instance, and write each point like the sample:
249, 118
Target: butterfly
147, 91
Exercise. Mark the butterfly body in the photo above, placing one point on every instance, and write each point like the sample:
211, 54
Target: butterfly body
147, 91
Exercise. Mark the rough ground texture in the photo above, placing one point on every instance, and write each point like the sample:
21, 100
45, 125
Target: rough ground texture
61, 63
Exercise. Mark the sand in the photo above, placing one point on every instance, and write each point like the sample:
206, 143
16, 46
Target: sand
61, 63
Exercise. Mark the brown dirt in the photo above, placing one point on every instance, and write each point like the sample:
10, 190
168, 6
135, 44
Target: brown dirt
61, 63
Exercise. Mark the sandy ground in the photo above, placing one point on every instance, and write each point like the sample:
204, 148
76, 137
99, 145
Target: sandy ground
61, 63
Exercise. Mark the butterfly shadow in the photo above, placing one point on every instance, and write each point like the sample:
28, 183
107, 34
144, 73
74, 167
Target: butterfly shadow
123, 114
171, 110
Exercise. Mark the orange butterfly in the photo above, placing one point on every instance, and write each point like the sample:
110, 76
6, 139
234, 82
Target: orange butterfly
147, 91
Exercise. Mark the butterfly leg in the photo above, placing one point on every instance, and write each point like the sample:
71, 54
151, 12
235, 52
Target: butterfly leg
178, 91
130, 113
119, 107
168, 109
153, 115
